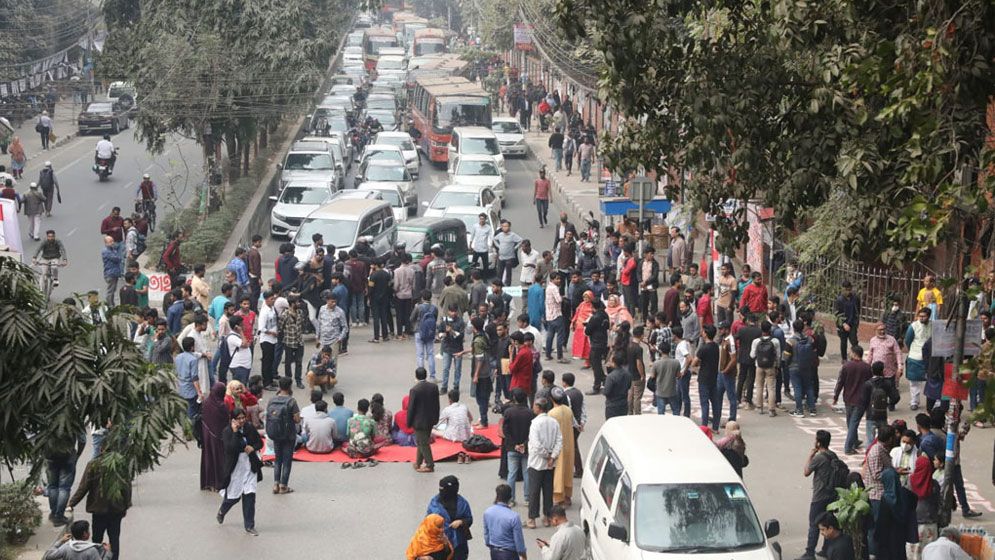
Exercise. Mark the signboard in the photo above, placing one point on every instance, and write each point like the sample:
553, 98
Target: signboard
944, 339
523, 37
159, 286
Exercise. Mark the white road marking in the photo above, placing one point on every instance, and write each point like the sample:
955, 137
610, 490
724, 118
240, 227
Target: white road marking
102, 206
71, 232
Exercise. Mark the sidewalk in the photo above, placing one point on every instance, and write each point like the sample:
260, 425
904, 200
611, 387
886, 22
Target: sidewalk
64, 128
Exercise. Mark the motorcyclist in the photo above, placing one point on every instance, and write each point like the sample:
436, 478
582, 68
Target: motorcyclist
395, 258
105, 150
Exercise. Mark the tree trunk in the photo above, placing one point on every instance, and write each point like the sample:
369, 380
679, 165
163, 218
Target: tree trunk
245, 157
255, 147
233, 153
263, 136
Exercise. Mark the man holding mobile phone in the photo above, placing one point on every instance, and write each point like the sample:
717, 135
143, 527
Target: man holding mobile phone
568, 542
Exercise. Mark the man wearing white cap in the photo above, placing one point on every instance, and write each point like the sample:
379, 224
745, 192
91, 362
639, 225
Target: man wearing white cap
34, 204
49, 187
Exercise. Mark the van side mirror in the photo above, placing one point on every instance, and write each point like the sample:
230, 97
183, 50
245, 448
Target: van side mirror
776, 547
772, 528
273, 198
279, 165
292, 235
425, 203
618, 532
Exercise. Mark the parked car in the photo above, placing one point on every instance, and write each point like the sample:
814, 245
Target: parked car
479, 170
392, 173
103, 116
344, 220
294, 203
418, 234
124, 93
460, 195
510, 136
638, 490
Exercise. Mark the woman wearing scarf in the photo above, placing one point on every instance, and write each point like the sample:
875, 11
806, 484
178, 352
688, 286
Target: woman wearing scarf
581, 345
243, 469
214, 418
429, 541
895, 524
617, 313
403, 434
456, 515
927, 490
17, 158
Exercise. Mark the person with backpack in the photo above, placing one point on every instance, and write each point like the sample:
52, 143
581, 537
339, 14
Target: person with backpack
766, 351
880, 394
481, 367
49, 187
802, 365
424, 318
829, 473
283, 416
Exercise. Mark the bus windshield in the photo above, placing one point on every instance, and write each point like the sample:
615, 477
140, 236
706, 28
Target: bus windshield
463, 111
430, 46
374, 44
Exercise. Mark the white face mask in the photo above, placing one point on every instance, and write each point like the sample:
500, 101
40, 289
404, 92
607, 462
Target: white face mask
894, 308
906, 447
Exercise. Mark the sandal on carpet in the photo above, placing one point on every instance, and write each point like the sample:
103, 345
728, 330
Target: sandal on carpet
346, 466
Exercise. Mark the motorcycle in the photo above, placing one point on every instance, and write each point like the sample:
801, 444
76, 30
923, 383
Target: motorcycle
103, 168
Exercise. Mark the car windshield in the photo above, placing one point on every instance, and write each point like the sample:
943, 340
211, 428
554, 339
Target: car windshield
469, 220
463, 111
380, 103
385, 155
429, 46
339, 124
391, 196
477, 168
386, 119
506, 128
116, 92
414, 240
386, 173
99, 108
308, 162
445, 199
695, 518
339, 233
400, 141
479, 146
390, 64
293, 194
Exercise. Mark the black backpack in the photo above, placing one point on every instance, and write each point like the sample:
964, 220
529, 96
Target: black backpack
479, 444
879, 399
766, 353
840, 472
280, 421
141, 243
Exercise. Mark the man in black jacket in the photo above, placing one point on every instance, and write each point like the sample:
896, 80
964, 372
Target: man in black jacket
648, 274
847, 310
878, 395
423, 414
597, 332
617, 387
515, 429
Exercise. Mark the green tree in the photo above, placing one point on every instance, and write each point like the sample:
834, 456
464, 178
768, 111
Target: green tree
854, 120
59, 375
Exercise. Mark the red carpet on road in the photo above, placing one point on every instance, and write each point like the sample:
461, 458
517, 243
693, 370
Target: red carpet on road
441, 450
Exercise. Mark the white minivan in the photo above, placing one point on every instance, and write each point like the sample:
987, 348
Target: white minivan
343, 221
477, 141
656, 487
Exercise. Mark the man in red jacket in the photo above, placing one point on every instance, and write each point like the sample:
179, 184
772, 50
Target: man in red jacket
755, 295
113, 225
521, 364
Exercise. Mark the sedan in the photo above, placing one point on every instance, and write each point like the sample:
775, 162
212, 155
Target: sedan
481, 171
511, 138
374, 172
103, 116
403, 141
297, 200
392, 194
386, 118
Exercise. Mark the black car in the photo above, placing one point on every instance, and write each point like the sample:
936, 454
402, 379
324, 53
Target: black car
103, 116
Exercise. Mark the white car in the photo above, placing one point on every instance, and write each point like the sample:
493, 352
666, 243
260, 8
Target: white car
392, 194
352, 56
459, 195
474, 141
298, 199
402, 140
383, 152
479, 170
344, 89
510, 137
470, 215
375, 172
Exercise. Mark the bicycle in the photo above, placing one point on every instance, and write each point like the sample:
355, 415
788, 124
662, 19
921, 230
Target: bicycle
47, 280
146, 206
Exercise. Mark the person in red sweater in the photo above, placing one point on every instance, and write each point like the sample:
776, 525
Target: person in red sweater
755, 295
627, 277
704, 306
521, 364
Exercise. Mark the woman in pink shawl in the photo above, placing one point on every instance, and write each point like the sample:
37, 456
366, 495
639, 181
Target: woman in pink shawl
617, 314
581, 345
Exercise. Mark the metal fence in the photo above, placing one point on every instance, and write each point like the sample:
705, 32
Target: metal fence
873, 284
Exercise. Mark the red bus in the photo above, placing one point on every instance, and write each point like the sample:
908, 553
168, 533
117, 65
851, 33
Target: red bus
439, 104
374, 39
429, 41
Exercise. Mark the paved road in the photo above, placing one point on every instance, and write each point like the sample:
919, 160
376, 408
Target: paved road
372, 513
86, 201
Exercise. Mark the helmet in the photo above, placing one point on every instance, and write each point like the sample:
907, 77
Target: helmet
48, 164
146, 176
400, 245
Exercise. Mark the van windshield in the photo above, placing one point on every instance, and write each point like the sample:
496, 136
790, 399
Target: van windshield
695, 518
480, 146
340, 233
308, 162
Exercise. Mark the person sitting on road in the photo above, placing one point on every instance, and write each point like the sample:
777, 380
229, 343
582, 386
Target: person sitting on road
454, 420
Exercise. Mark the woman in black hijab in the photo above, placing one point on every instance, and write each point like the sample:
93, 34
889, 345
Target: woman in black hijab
455, 510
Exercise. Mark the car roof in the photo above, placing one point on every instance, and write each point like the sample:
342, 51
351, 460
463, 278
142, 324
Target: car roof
394, 134
384, 163
348, 208
309, 146
376, 186
306, 184
383, 147
649, 458
473, 131
477, 157
475, 210
505, 120
430, 222
457, 187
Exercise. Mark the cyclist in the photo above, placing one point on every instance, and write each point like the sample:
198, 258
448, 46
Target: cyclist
146, 190
105, 150
52, 253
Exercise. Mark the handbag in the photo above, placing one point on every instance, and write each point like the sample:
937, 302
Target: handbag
39, 127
